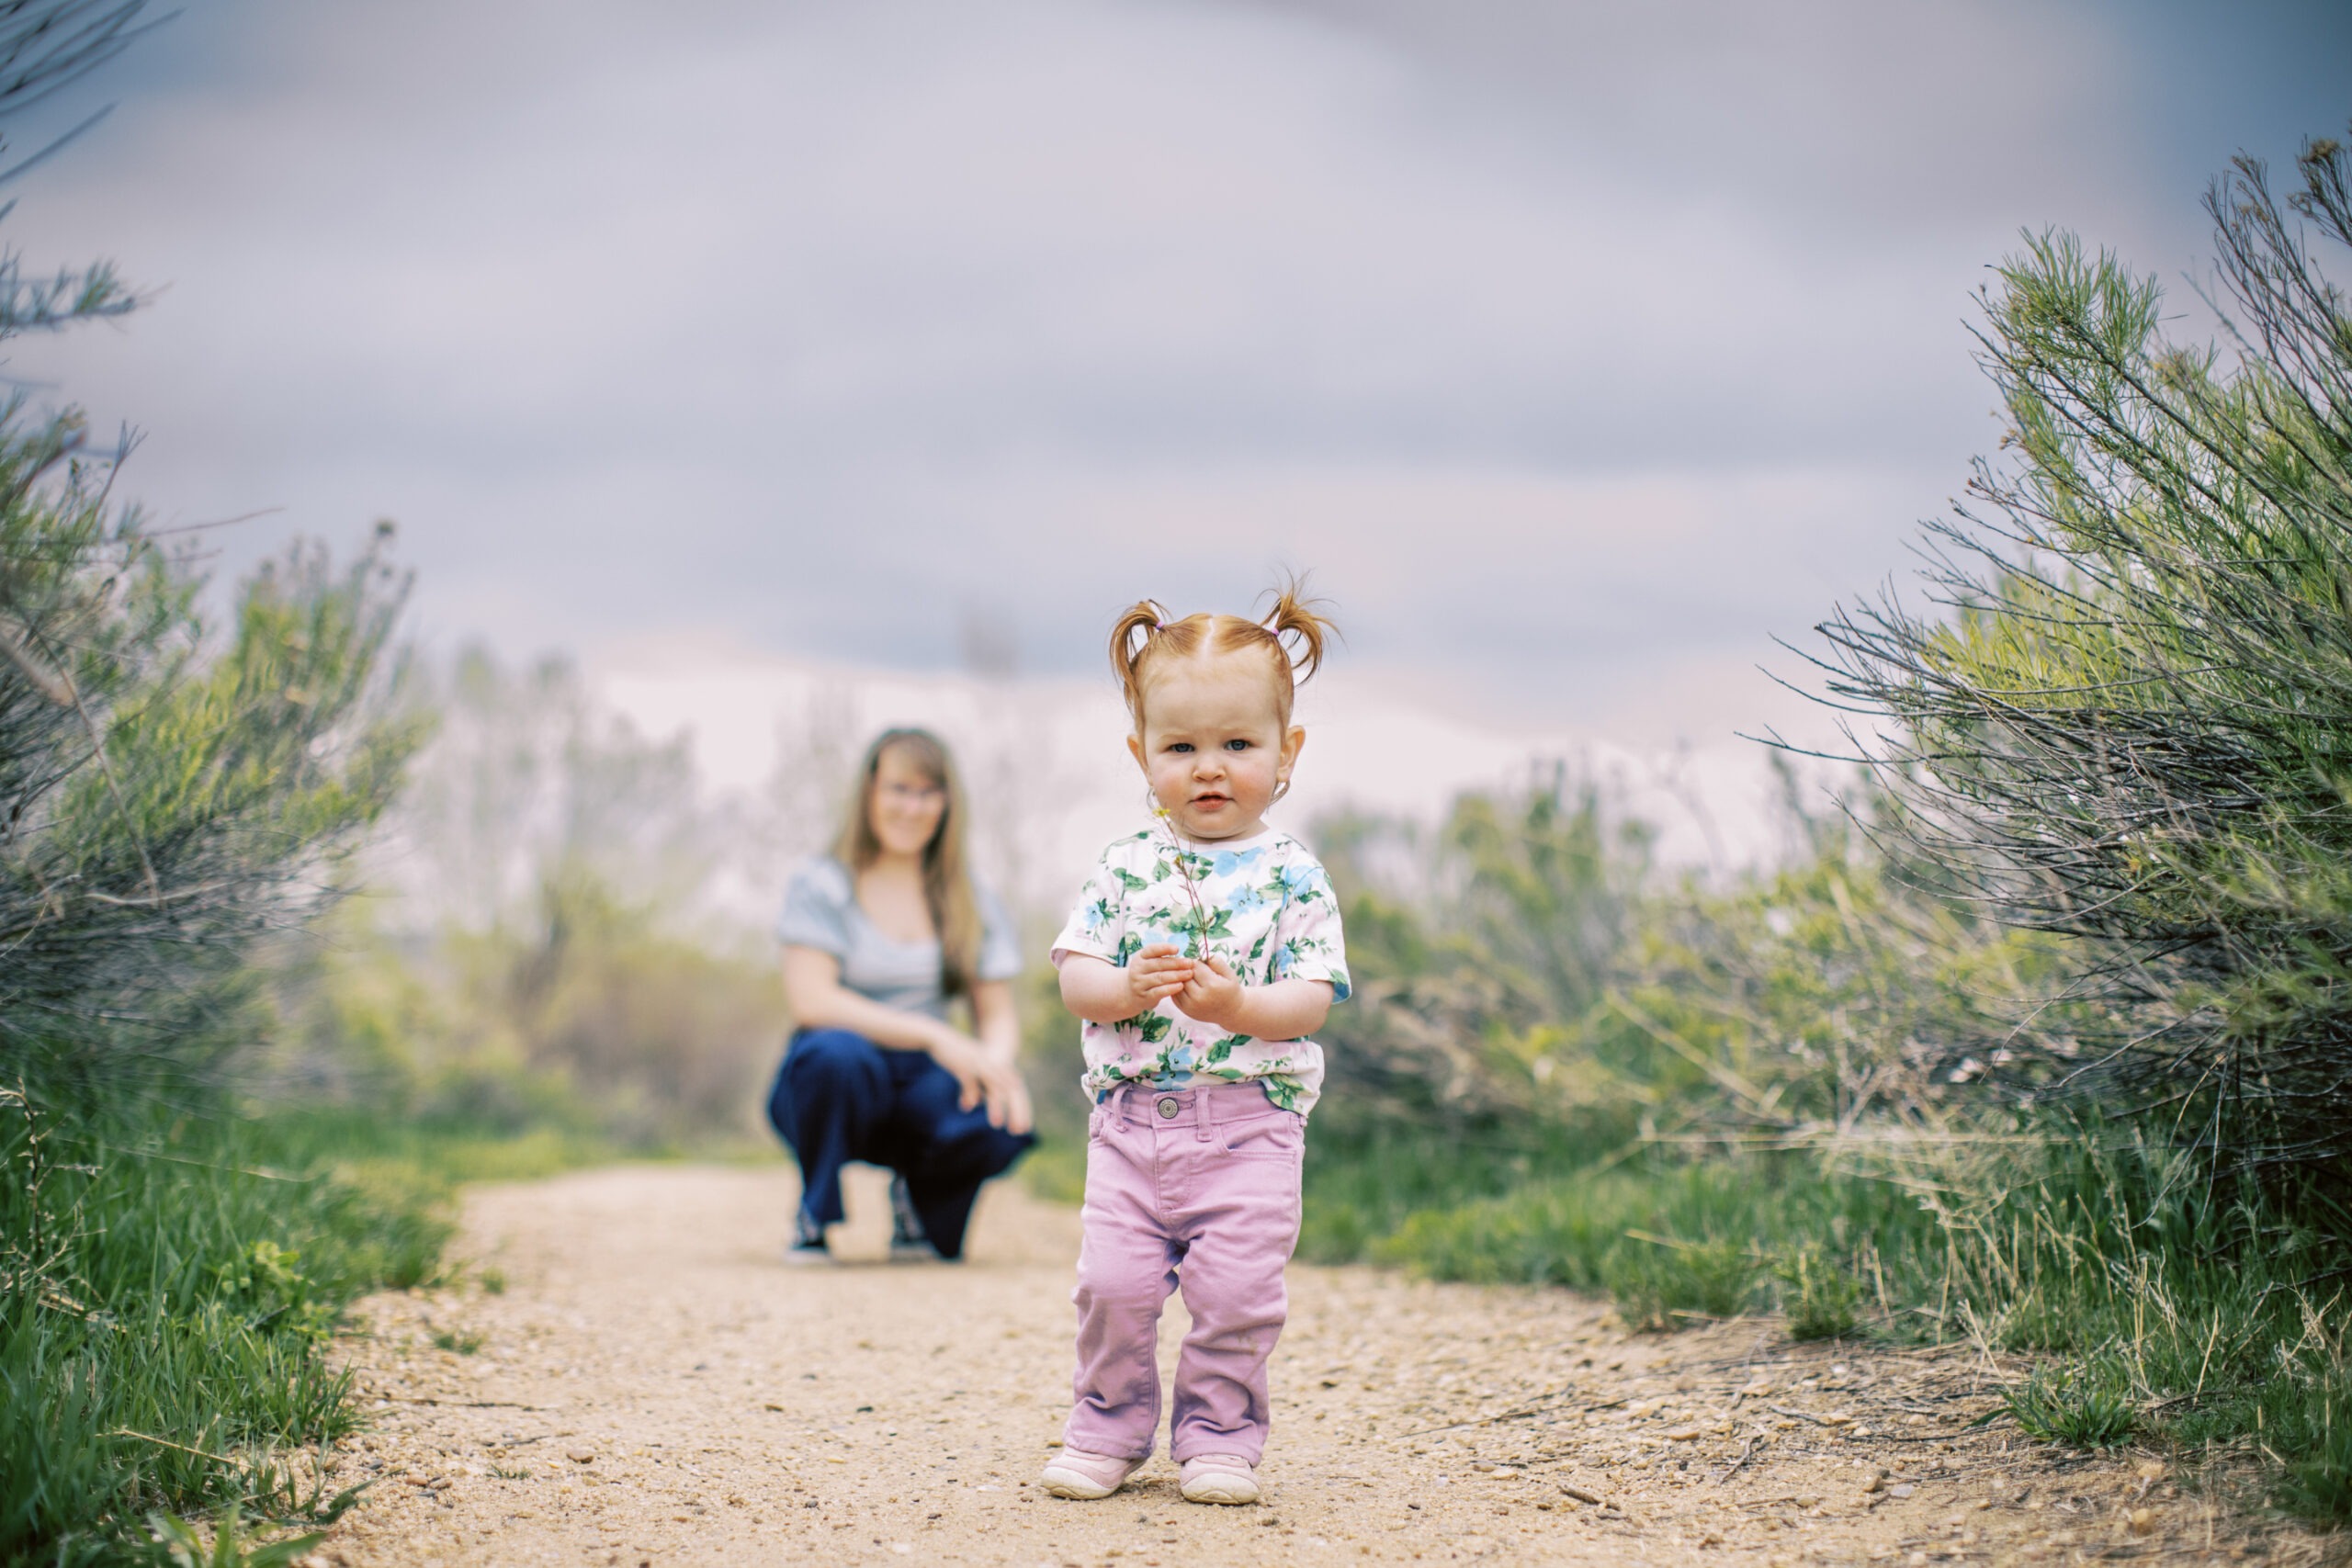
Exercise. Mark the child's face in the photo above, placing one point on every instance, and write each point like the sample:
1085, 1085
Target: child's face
1213, 747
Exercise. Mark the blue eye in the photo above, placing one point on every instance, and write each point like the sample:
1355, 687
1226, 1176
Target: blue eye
1181, 746
1237, 745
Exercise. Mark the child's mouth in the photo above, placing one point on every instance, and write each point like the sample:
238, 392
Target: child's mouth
1210, 802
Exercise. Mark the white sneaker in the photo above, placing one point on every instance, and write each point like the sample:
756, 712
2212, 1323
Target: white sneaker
1219, 1478
1084, 1477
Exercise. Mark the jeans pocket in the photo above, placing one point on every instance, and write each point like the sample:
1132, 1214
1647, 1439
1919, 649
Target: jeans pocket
1271, 1135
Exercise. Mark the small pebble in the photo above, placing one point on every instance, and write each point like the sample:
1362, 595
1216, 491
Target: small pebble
581, 1456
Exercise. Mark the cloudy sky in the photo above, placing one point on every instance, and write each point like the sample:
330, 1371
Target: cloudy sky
1579, 348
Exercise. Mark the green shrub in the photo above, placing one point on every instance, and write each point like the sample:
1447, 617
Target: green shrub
2121, 710
172, 1274
1823, 1299
2309, 1432
1661, 1282
2084, 1405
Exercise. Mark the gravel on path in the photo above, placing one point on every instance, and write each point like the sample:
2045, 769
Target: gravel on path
653, 1387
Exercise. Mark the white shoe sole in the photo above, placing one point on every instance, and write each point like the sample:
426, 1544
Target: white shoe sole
1078, 1488
1221, 1486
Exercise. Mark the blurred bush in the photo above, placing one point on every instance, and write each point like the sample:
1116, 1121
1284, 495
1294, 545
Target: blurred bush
506, 982
1527, 964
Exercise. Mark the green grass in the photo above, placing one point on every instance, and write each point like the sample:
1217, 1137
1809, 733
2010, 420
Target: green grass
170, 1281
2157, 1309
2085, 1405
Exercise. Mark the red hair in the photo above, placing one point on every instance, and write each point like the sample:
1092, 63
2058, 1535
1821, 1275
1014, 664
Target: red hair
1290, 641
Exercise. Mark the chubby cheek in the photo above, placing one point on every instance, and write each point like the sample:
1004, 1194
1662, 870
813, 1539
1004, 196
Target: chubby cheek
1254, 780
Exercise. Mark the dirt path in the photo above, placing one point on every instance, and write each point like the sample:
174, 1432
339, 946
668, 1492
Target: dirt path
653, 1387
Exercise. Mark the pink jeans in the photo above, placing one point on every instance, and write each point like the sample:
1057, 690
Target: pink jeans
1197, 1187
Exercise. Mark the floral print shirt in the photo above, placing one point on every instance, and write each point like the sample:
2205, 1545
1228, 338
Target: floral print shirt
1262, 904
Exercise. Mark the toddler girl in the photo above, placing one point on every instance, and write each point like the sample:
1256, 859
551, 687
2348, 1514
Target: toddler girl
1204, 951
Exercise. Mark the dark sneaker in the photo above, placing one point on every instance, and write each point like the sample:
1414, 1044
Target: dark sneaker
807, 1241
908, 1242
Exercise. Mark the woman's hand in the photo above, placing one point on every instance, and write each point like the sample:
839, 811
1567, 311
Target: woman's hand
1212, 996
1158, 973
984, 1079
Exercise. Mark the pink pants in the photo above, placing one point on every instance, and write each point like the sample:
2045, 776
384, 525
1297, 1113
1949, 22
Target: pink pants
1198, 1187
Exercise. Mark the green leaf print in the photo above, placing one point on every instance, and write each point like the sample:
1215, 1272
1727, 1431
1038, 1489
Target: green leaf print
1203, 926
1223, 1049
1154, 1026
1282, 1093
1128, 879
1129, 945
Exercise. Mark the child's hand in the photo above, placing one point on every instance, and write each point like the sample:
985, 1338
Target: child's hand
1212, 996
1157, 974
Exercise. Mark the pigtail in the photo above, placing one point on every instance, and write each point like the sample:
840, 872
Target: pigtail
1300, 619
1130, 634
1291, 639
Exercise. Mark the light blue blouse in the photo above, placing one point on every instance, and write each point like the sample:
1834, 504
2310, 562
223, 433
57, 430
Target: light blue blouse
820, 911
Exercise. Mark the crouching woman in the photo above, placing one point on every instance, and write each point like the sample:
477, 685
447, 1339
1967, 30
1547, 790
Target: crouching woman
879, 938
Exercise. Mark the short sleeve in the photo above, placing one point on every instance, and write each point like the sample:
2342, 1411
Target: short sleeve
1000, 937
816, 908
1307, 941
1098, 927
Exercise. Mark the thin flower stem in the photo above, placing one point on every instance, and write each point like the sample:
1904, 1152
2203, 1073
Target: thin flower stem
1191, 887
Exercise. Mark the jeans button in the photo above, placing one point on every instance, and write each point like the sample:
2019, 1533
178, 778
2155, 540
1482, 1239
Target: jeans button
1169, 1107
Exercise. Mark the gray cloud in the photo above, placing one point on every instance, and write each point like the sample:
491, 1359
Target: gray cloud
1579, 348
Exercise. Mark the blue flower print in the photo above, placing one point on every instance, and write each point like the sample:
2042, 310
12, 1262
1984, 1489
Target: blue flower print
1228, 861
1305, 879
1241, 898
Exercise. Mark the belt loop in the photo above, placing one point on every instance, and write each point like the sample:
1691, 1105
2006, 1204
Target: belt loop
1203, 1115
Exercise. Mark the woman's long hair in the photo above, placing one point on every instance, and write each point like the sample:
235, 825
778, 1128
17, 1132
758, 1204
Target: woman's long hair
946, 875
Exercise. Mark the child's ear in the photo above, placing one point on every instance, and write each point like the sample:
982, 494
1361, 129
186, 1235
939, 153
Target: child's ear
1293, 742
1135, 749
